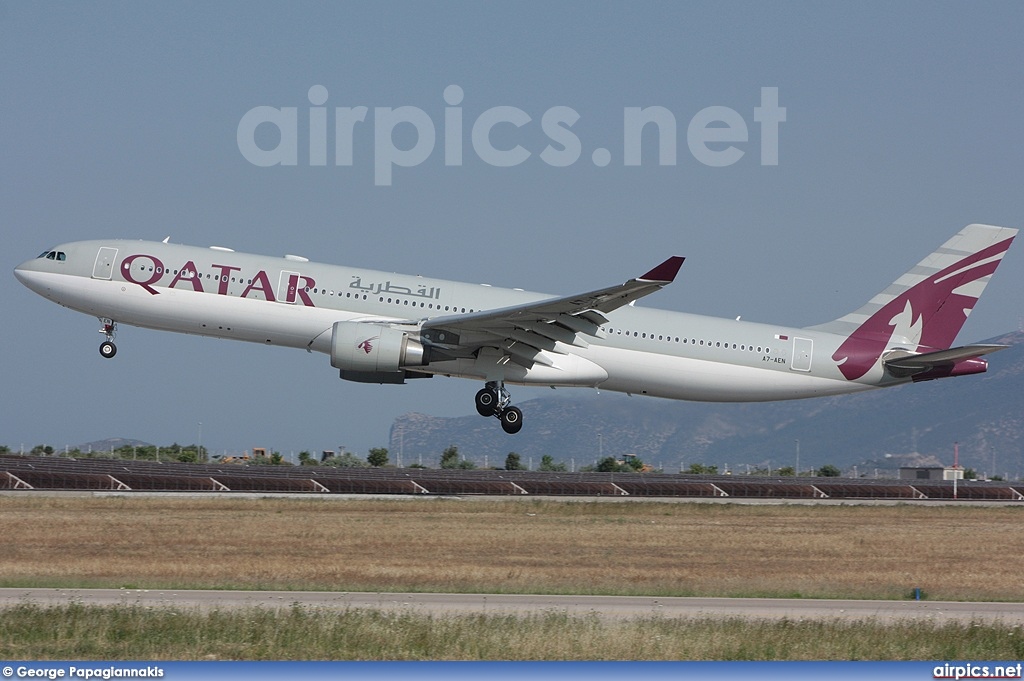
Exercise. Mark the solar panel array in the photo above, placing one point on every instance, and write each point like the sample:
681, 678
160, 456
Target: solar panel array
58, 473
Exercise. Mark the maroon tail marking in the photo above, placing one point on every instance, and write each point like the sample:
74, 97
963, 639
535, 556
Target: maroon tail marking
932, 301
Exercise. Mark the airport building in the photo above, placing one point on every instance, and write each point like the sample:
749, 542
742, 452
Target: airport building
931, 473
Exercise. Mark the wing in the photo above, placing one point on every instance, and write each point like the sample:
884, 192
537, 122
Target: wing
522, 331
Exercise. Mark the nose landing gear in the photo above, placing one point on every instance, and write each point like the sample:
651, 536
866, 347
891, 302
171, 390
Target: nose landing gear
109, 330
494, 400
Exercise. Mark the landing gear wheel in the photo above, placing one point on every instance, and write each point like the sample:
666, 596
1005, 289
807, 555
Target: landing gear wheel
486, 402
511, 420
109, 330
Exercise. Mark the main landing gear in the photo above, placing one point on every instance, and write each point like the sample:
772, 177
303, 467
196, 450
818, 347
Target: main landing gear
494, 400
109, 330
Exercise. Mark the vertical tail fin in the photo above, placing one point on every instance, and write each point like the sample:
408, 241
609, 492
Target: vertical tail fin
924, 309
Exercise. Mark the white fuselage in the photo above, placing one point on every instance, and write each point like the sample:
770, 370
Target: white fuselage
292, 302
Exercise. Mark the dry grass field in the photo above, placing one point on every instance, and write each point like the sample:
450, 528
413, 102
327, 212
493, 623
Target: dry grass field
522, 546
78, 632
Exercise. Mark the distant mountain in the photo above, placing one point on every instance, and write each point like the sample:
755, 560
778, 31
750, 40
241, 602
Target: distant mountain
879, 429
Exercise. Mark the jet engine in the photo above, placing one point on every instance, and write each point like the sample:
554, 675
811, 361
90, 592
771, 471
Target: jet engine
374, 353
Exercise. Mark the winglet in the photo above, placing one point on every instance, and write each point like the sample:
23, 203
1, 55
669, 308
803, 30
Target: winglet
666, 271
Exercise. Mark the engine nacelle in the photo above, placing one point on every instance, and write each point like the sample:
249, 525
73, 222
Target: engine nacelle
359, 349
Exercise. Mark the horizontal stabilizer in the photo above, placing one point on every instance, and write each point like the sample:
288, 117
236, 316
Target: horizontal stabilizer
907, 364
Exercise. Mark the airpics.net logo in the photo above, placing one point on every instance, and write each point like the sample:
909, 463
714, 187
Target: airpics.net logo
716, 135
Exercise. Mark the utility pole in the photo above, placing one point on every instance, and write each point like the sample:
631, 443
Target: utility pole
956, 464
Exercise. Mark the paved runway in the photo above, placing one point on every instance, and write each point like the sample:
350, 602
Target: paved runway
602, 606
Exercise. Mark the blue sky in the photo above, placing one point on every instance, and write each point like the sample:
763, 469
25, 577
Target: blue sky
120, 120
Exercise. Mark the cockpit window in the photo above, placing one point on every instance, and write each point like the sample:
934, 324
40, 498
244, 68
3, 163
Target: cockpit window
54, 255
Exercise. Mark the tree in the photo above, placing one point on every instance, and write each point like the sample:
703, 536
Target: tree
786, 471
378, 457
188, 456
512, 462
608, 465
548, 464
701, 469
450, 457
829, 471
306, 459
970, 474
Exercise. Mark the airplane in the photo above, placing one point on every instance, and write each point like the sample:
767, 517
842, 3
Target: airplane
378, 327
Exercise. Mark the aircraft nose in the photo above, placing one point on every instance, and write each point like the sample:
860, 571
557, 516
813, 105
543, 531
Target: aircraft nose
21, 271
27, 273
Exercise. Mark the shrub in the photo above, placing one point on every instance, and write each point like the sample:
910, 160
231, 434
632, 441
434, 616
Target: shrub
548, 464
